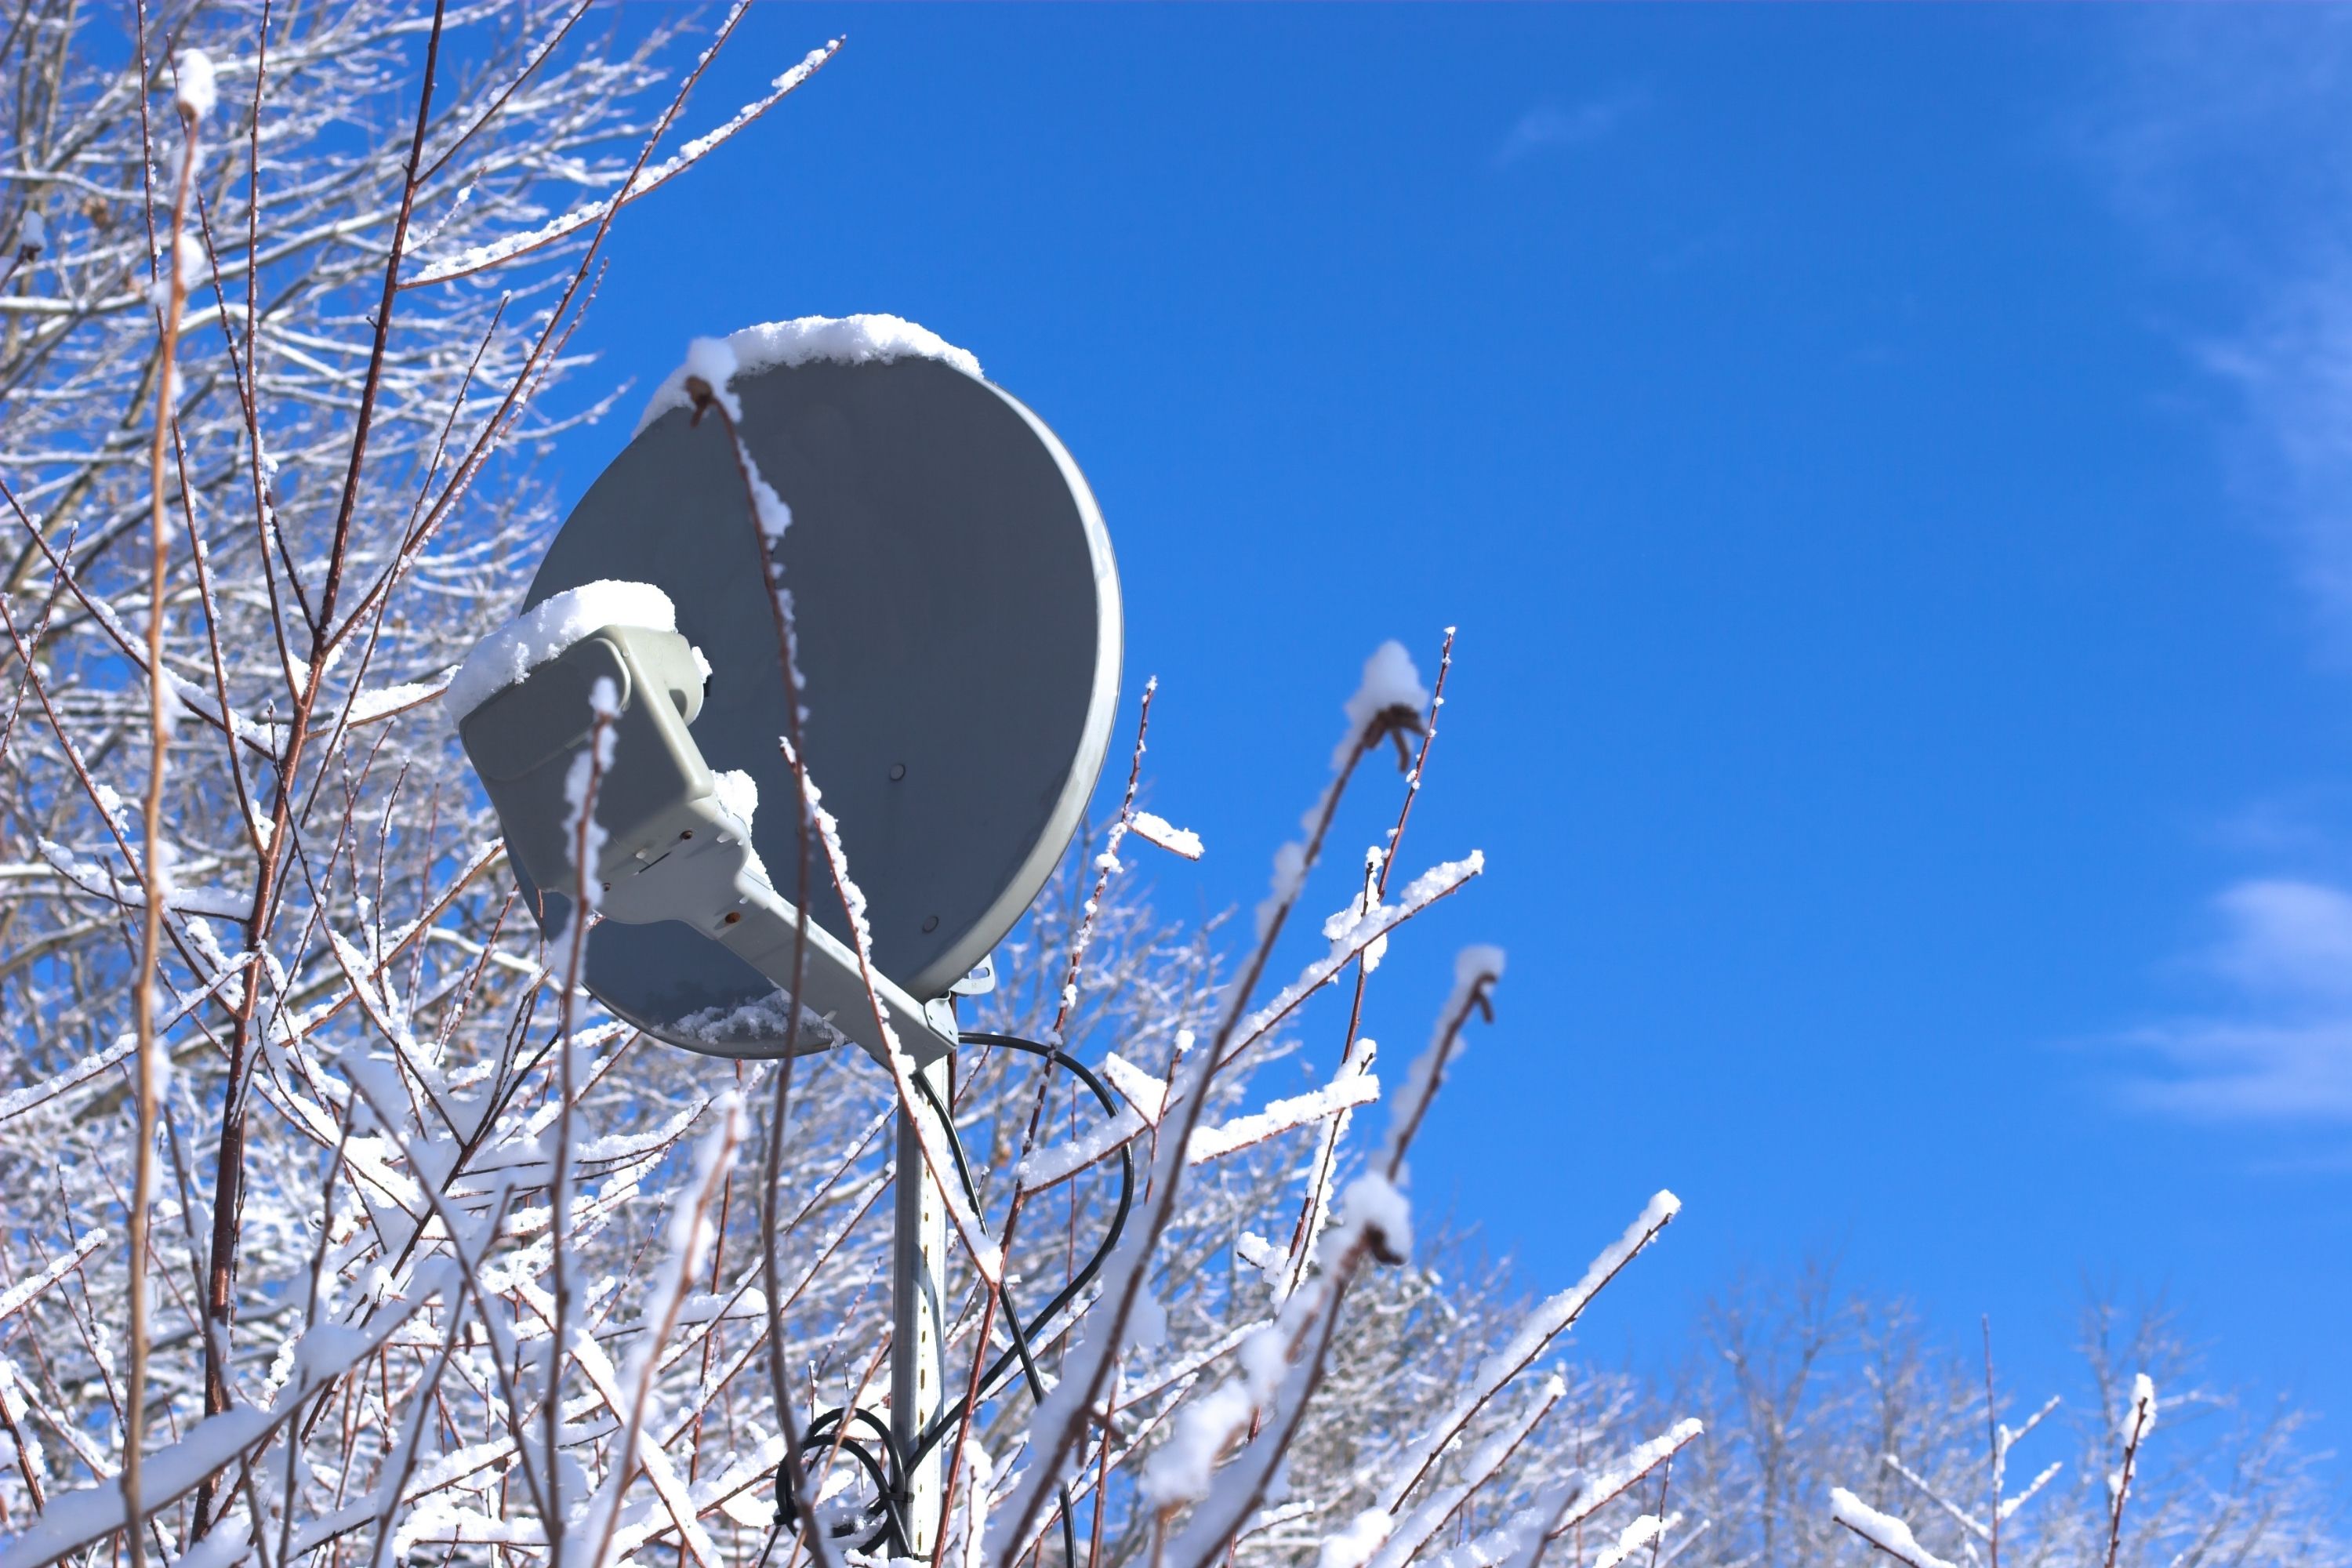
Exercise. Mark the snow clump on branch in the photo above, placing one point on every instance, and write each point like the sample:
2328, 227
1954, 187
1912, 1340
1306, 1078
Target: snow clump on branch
1883, 1530
1390, 699
1392, 683
199, 90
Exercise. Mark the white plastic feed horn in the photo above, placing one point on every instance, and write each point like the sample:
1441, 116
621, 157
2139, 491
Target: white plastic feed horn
671, 851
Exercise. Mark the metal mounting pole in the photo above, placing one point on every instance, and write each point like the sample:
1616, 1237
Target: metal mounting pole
918, 1266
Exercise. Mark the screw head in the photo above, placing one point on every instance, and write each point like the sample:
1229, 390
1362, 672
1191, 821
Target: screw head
732, 915
897, 772
930, 923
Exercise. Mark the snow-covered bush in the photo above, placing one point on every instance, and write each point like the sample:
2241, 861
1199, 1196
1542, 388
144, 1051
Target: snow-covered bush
1811, 1392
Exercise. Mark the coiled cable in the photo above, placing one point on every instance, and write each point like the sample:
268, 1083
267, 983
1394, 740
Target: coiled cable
889, 1474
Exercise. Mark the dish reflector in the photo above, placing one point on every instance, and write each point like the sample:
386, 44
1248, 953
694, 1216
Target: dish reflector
957, 615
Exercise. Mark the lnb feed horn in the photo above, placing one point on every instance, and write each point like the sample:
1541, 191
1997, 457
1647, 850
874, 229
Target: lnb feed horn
674, 848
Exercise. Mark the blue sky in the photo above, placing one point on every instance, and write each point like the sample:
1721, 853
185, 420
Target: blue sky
1892, 469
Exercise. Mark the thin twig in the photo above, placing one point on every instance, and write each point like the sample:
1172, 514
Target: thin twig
155, 874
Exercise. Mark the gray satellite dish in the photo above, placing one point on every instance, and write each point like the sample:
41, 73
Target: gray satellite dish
958, 617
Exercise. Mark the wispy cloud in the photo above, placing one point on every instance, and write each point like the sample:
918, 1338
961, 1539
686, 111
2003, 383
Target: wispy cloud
2291, 368
2219, 140
2222, 140
2280, 1047
1553, 127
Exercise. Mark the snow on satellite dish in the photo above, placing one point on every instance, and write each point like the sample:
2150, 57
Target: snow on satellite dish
957, 612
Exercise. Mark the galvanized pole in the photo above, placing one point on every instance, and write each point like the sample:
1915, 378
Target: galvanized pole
917, 1277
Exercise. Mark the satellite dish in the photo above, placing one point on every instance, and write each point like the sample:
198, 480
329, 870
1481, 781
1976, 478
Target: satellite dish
958, 616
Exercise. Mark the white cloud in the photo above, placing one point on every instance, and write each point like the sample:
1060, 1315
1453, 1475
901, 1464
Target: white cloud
2222, 140
2289, 941
2293, 371
1550, 126
2282, 1049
